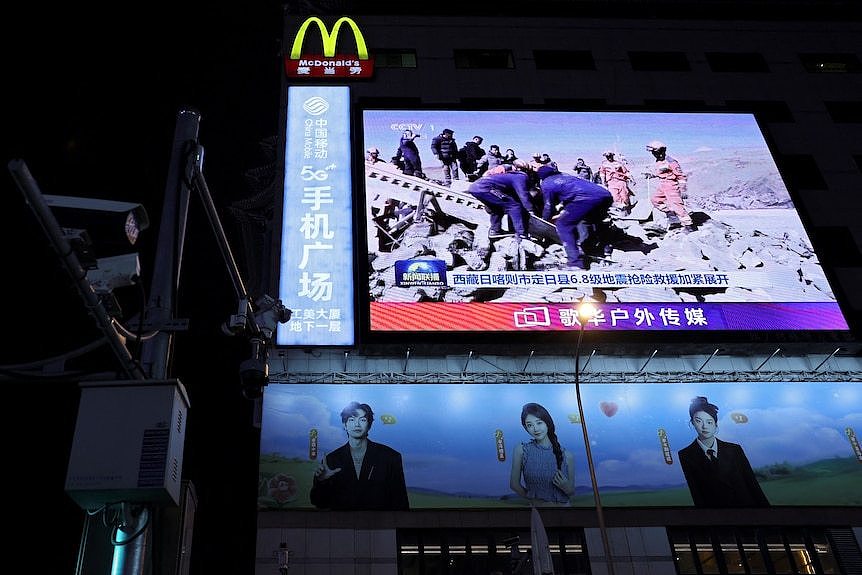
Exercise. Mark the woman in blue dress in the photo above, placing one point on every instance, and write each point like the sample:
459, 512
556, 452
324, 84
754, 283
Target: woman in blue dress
547, 468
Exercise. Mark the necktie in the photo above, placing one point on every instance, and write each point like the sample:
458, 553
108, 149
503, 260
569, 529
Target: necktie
711, 454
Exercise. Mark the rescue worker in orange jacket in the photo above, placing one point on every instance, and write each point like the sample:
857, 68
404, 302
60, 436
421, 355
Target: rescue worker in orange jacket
615, 177
668, 195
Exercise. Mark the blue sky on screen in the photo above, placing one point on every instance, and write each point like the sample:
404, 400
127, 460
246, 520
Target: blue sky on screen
446, 433
567, 136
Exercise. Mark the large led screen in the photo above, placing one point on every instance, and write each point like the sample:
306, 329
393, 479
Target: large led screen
669, 221
505, 445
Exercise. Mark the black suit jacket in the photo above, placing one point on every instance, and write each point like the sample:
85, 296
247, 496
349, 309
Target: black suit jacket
380, 485
730, 482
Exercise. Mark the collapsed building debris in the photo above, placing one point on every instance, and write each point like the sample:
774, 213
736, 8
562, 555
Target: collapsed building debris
413, 218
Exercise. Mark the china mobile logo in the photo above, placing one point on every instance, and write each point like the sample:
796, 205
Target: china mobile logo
316, 106
532, 317
328, 64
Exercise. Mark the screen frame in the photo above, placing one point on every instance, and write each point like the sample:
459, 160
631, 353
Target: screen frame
563, 340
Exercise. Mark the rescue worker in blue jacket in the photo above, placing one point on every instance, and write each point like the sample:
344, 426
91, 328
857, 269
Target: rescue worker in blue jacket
583, 205
409, 154
506, 194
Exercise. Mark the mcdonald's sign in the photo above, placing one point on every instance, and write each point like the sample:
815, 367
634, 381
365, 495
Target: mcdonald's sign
326, 63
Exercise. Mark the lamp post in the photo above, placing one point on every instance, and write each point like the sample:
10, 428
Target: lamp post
586, 311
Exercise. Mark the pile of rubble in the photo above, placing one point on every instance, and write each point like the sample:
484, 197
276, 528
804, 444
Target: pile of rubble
739, 228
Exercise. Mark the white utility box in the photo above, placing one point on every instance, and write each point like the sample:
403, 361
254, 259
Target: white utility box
128, 443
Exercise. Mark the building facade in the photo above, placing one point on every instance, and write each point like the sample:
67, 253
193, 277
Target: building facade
802, 81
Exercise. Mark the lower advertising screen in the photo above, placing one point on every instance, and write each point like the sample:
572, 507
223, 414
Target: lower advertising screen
394, 447
499, 221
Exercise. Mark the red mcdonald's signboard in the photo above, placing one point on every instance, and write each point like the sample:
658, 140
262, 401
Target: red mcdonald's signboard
299, 64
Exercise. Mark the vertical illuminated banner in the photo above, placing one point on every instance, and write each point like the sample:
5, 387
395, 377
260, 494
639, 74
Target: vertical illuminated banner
316, 271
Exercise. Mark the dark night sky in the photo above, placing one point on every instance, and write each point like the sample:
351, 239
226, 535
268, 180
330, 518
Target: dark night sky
92, 96
92, 92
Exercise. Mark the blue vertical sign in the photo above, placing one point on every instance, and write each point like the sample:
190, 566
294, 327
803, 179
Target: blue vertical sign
316, 267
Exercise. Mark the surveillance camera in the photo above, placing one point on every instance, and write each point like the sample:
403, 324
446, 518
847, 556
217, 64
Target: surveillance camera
80, 242
111, 226
510, 541
270, 312
114, 272
253, 376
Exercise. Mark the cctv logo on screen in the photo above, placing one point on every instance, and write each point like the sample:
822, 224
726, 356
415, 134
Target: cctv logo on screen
532, 317
328, 64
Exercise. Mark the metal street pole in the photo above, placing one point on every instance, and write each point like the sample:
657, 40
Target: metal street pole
157, 352
131, 547
582, 319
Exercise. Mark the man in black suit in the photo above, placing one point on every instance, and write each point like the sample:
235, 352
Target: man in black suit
361, 474
717, 472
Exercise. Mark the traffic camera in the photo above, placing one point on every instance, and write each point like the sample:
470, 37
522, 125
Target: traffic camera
98, 228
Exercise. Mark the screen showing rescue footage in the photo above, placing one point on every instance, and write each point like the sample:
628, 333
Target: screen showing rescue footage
390, 447
483, 221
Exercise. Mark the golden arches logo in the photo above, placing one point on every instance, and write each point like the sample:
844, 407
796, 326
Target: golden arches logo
328, 38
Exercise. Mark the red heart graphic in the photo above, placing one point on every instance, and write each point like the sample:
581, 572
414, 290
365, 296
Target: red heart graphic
609, 408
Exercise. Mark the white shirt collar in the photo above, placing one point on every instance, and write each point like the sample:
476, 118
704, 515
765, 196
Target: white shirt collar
705, 447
